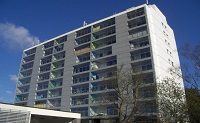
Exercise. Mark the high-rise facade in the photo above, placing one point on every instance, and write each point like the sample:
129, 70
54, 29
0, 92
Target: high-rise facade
68, 72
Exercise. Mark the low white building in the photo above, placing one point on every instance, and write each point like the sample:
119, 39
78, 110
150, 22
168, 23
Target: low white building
19, 114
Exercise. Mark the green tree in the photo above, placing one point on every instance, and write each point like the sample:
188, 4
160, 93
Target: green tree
171, 99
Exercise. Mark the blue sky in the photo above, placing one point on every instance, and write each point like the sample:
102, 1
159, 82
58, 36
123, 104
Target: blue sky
24, 22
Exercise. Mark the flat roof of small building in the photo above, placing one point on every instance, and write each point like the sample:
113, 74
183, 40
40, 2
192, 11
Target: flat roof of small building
43, 114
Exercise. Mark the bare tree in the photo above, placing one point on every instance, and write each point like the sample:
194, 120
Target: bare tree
191, 75
127, 85
191, 66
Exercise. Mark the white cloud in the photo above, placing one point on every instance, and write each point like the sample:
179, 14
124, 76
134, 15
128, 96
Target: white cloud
17, 36
14, 78
9, 92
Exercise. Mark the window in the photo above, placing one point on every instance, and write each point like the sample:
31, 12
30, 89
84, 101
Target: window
169, 61
172, 64
146, 67
148, 80
109, 53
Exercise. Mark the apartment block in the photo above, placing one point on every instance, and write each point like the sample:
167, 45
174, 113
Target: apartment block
70, 72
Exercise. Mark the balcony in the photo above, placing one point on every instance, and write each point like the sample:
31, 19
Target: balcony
45, 60
80, 89
103, 98
23, 89
23, 82
103, 42
54, 103
83, 58
20, 98
135, 13
45, 68
142, 66
79, 100
101, 52
103, 111
40, 104
103, 74
103, 33
140, 54
41, 95
102, 86
147, 92
137, 33
102, 63
44, 76
58, 48
55, 83
147, 107
82, 49
57, 65
26, 66
28, 59
81, 68
29, 52
60, 40
59, 56
48, 44
139, 43
25, 74
148, 79
48, 52
43, 85
81, 78
82, 110
55, 92
82, 40
56, 74
137, 22
103, 25
83, 32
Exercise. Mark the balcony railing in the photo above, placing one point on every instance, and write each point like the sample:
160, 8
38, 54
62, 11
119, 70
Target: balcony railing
80, 90
40, 105
55, 84
102, 54
81, 69
77, 52
138, 34
79, 101
102, 75
103, 100
21, 98
40, 96
140, 56
139, 44
141, 68
135, 13
80, 80
102, 87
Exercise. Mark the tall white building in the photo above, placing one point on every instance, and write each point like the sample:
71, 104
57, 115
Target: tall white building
68, 72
